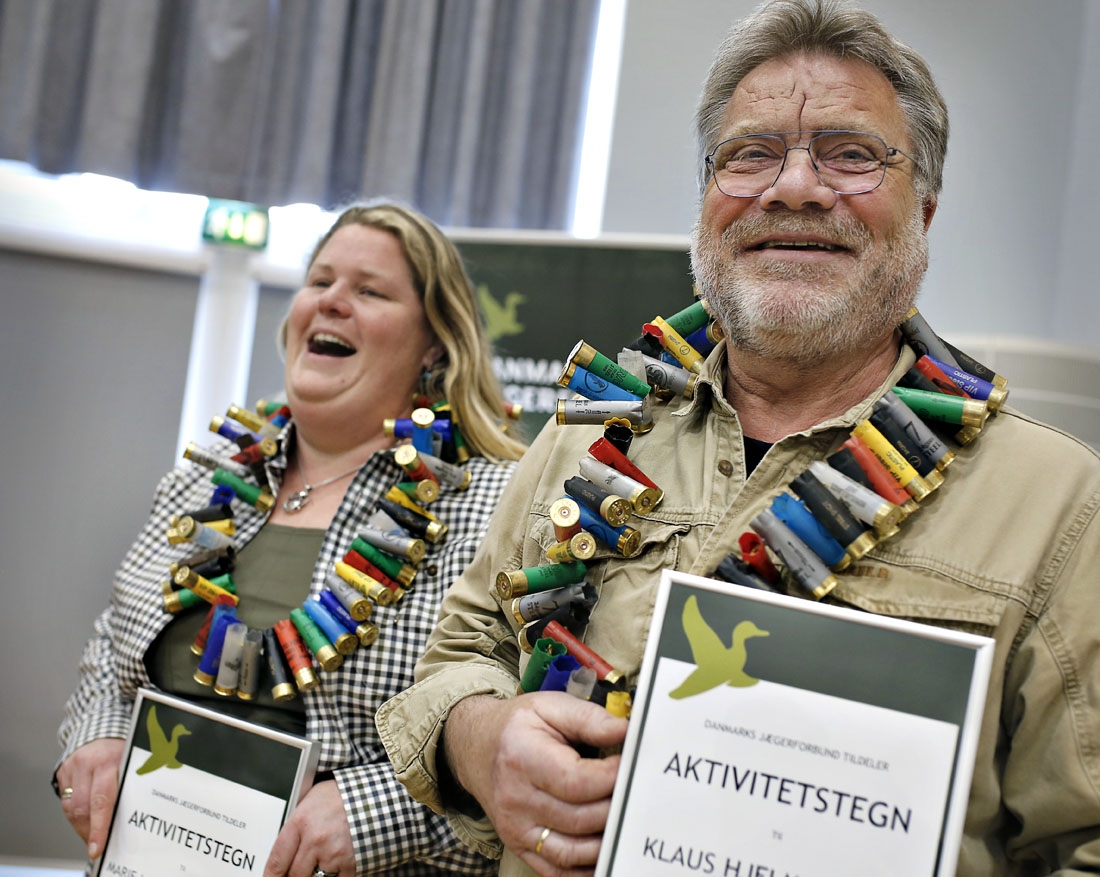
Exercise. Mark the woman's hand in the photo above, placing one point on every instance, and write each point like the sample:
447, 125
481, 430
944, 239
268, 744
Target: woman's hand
547, 803
91, 773
315, 836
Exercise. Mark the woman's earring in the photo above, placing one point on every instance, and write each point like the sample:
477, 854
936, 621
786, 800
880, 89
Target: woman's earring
431, 379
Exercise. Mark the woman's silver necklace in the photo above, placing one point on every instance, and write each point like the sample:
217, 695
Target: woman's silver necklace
295, 501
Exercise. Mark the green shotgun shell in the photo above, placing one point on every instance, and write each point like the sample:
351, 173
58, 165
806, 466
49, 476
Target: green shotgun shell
546, 649
389, 564
944, 407
462, 453
693, 317
246, 492
516, 583
588, 357
185, 598
315, 639
421, 491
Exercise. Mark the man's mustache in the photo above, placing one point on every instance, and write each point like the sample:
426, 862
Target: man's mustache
847, 232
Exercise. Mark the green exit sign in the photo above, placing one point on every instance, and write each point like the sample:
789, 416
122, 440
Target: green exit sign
235, 222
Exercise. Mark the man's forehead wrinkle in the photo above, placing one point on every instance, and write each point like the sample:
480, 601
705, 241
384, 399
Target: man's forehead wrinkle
814, 93
849, 94
764, 103
771, 89
835, 99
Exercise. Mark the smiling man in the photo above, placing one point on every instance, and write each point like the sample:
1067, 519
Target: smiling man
821, 144
797, 270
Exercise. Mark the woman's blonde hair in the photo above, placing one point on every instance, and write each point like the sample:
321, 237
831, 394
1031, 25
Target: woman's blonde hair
469, 384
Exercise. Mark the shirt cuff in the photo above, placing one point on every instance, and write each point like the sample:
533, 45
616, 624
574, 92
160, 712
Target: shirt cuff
95, 724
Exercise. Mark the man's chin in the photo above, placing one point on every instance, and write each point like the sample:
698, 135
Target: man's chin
793, 322
795, 345
792, 307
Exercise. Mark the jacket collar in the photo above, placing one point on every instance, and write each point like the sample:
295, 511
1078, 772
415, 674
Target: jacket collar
709, 395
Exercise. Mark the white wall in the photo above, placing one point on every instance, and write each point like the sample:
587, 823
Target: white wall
93, 358
1076, 309
1011, 247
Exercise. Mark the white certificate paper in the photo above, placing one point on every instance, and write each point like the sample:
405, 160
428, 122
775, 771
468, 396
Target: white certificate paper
773, 736
201, 793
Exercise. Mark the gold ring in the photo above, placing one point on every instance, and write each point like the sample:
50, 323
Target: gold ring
66, 793
542, 839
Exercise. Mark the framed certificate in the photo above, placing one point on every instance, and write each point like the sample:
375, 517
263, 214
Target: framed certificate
201, 793
774, 736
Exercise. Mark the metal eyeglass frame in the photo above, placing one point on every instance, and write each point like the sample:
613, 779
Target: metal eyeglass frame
891, 151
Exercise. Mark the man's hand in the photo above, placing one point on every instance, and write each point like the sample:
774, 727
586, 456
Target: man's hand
315, 836
515, 757
91, 772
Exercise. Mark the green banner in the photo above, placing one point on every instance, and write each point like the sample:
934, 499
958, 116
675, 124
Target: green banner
539, 299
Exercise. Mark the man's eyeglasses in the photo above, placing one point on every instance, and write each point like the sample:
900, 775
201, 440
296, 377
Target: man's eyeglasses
848, 162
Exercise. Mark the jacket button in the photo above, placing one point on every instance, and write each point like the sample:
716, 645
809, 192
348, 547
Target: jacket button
725, 467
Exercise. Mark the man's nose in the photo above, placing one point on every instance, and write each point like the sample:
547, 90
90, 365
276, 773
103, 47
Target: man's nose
798, 185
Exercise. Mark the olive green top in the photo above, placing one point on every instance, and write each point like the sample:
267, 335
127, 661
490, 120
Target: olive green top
272, 574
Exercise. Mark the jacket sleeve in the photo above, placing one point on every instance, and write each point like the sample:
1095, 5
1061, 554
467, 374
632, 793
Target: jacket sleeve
1051, 714
96, 709
111, 668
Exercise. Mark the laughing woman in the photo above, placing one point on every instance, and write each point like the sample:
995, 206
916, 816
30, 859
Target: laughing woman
387, 314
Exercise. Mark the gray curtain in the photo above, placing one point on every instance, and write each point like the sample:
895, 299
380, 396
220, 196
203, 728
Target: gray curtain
470, 110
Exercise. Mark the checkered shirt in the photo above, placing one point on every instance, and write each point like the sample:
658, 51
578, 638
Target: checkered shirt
390, 831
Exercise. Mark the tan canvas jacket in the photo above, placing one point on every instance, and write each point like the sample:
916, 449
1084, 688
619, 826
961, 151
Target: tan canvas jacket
1008, 547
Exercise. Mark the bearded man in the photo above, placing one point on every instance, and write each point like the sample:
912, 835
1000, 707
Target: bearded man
822, 140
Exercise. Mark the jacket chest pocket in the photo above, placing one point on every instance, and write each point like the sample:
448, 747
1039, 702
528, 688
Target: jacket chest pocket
921, 593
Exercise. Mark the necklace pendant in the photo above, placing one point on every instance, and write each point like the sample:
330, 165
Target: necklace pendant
295, 501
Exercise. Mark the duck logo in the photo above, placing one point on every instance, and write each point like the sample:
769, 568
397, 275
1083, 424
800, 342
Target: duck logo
163, 749
501, 320
714, 663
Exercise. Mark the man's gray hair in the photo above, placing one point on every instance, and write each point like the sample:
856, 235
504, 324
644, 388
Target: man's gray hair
785, 27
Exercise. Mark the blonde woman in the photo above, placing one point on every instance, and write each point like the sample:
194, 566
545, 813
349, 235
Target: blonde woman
386, 314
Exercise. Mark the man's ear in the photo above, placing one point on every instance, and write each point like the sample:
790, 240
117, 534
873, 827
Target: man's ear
930, 204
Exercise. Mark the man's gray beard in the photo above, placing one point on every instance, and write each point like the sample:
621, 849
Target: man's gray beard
837, 313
